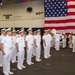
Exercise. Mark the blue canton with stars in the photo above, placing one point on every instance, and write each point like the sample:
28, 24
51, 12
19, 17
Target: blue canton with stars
0, 1
55, 8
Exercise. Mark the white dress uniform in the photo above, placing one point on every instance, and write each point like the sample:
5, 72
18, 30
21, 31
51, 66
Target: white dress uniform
21, 44
47, 40
70, 41
63, 41
50, 40
7, 45
57, 42
38, 48
14, 51
1, 56
73, 42
53, 41
34, 48
30, 42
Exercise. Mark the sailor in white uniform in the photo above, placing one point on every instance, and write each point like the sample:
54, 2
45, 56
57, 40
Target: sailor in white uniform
29, 46
37, 41
50, 41
6, 45
64, 37
53, 33
20, 45
70, 40
46, 44
3, 33
57, 41
34, 47
14, 51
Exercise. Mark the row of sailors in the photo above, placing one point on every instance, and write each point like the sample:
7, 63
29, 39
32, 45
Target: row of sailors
12, 44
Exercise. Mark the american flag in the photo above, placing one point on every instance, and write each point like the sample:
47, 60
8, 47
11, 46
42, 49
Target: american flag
0, 2
23, 0
60, 15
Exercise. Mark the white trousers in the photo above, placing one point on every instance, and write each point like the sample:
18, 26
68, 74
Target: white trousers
57, 45
70, 44
1, 57
63, 43
14, 53
49, 48
34, 50
46, 50
6, 62
52, 42
29, 54
73, 48
38, 51
21, 55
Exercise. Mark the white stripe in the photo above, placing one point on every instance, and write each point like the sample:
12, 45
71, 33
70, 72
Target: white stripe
71, 3
60, 18
67, 31
71, 10
60, 25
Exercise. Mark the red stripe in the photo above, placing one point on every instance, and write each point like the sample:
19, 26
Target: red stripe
71, 13
59, 21
70, 0
25, 0
61, 28
71, 6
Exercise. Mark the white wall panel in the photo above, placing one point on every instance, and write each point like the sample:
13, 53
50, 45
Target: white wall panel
20, 17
